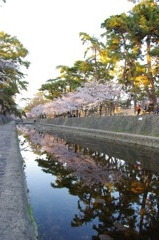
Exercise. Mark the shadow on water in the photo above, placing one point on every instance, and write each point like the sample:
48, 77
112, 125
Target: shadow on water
111, 190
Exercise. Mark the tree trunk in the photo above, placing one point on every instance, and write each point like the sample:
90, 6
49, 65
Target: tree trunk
96, 67
152, 96
135, 103
100, 109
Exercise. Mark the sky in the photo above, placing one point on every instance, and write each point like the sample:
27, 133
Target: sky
50, 29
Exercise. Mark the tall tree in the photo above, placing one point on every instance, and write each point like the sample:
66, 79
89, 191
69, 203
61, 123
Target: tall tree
145, 19
122, 49
12, 59
133, 42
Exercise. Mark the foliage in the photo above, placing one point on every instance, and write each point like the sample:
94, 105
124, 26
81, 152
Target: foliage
132, 40
102, 64
12, 59
69, 79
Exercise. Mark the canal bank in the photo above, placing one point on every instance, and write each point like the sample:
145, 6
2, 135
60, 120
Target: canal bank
140, 130
15, 216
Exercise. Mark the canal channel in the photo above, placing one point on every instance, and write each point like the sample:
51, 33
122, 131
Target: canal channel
87, 189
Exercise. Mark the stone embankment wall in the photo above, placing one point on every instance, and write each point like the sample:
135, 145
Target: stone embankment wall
142, 130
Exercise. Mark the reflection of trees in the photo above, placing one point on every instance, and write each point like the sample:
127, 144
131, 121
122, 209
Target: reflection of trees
131, 214
63, 175
125, 204
136, 207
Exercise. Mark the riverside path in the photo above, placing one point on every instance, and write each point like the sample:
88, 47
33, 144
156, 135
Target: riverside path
15, 220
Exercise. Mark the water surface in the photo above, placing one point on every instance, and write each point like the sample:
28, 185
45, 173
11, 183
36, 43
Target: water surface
88, 189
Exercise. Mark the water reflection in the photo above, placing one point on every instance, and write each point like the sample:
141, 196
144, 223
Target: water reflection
116, 186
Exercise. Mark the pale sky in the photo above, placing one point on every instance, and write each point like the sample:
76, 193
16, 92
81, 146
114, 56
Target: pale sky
49, 30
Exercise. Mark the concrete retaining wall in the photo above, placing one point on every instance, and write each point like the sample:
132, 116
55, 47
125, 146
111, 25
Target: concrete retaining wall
4, 119
142, 125
15, 220
141, 130
127, 152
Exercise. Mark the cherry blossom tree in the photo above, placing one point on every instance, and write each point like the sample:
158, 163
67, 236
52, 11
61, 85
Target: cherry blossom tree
90, 95
36, 111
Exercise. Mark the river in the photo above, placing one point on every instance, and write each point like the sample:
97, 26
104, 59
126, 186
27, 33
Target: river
86, 189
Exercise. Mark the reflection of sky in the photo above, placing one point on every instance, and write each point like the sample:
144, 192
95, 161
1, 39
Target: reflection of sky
53, 209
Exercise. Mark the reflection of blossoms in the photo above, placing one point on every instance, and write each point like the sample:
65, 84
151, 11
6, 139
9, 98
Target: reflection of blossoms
91, 173
84, 167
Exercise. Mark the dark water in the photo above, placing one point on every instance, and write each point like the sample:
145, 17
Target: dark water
89, 189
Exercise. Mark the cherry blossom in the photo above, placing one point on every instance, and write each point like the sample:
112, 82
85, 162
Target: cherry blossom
90, 95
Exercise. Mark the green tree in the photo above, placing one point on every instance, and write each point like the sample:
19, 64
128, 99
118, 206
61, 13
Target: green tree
70, 76
68, 80
83, 70
53, 88
97, 56
93, 47
132, 40
122, 49
12, 59
145, 19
